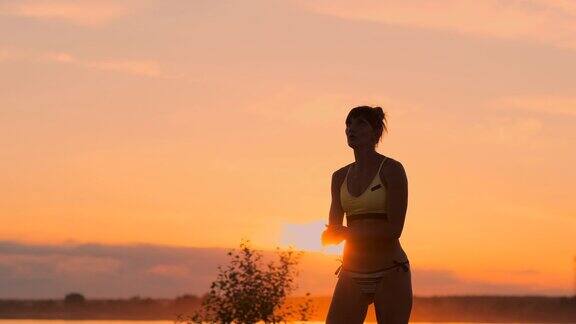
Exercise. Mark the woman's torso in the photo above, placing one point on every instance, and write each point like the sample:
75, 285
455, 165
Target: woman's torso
373, 254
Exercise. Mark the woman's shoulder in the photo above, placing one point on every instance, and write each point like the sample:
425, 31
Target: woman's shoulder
392, 168
338, 178
341, 173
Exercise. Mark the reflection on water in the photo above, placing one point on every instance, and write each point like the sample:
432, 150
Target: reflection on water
10, 321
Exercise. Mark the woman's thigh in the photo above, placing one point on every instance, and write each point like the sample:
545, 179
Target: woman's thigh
349, 305
393, 297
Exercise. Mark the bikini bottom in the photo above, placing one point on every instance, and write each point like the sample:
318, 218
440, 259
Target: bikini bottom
368, 281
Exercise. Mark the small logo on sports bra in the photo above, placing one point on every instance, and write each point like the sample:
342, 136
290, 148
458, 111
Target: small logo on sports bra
376, 187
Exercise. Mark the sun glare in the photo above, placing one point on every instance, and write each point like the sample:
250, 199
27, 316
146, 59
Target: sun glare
306, 237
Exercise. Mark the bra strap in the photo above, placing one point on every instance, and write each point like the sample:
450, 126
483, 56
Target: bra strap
380, 167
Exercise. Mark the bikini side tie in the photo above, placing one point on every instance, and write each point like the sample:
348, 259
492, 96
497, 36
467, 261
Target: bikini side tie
340, 267
402, 264
396, 264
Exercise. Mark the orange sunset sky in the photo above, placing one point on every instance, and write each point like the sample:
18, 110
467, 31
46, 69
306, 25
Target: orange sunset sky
191, 124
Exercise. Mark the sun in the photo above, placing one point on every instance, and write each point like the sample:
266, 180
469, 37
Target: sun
306, 236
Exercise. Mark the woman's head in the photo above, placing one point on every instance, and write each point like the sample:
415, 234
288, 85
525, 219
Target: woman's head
365, 125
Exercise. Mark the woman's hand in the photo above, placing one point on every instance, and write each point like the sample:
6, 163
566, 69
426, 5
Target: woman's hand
334, 234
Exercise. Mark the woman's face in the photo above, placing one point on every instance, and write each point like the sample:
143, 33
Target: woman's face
359, 133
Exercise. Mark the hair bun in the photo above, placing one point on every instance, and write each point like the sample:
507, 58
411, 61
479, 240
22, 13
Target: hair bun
379, 112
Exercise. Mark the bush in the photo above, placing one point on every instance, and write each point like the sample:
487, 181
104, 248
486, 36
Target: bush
74, 299
245, 292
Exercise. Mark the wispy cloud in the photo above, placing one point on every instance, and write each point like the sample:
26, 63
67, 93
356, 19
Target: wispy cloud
506, 130
552, 104
291, 102
140, 67
170, 270
4, 55
105, 270
86, 12
149, 68
548, 22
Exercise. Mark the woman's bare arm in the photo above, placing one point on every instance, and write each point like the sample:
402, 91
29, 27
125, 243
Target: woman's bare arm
336, 214
336, 232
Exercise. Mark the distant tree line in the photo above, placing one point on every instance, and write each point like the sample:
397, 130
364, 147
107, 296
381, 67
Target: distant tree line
501, 309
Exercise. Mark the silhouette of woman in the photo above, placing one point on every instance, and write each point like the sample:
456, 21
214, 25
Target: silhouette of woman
373, 192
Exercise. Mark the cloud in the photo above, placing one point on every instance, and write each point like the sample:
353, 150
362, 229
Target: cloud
520, 128
446, 282
170, 270
46, 271
5, 55
547, 22
506, 130
86, 12
138, 67
148, 68
556, 105
291, 102
101, 271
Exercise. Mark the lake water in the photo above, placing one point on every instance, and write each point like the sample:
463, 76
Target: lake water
8, 321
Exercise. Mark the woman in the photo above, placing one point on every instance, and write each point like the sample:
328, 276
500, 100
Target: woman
373, 192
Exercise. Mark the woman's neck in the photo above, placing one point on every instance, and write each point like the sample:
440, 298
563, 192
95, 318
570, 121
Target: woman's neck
365, 157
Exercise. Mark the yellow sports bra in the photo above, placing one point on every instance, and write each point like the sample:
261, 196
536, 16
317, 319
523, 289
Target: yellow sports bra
371, 201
